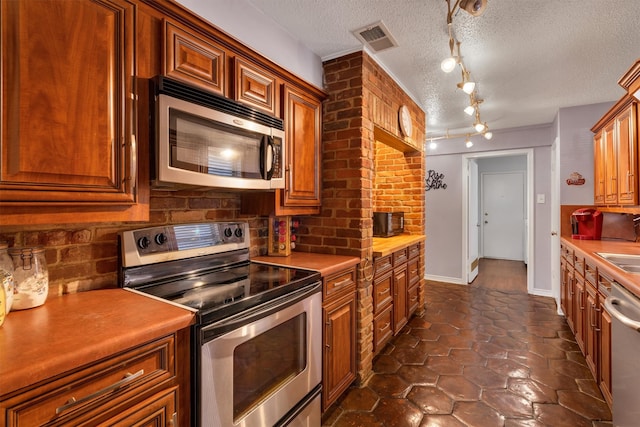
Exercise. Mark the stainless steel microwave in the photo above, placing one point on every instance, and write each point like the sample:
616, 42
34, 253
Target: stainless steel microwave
205, 140
387, 224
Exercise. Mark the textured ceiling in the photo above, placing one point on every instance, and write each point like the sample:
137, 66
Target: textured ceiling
528, 57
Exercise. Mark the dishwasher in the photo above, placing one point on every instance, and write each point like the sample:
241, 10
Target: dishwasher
624, 308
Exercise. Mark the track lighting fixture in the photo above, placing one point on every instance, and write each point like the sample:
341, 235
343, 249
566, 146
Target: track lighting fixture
468, 86
468, 142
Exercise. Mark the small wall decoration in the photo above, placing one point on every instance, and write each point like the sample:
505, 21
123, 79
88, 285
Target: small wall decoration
575, 179
434, 181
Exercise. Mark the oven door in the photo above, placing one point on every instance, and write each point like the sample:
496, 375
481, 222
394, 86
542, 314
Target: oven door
257, 366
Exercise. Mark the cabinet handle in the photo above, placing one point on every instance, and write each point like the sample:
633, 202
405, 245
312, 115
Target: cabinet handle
385, 326
341, 283
174, 420
73, 401
329, 334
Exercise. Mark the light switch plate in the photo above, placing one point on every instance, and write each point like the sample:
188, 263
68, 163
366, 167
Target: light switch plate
540, 198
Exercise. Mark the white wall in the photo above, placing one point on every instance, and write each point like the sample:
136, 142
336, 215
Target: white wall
240, 19
444, 210
576, 150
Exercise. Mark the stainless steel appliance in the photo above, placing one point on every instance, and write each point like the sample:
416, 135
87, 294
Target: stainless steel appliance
624, 308
387, 224
256, 347
207, 140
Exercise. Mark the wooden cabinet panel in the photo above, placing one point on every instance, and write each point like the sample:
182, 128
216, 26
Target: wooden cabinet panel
400, 257
339, 362
69, 124
627, 156
604, 377
303, 122
579, 301
92, 394
157, 411
255, 86
413, 299
570, 297
611, 165
338, 283
382, 292
400, 308
591, 329
382, 328
194, 59
599, 180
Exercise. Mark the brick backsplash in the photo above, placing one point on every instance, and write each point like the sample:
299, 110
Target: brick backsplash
85, 257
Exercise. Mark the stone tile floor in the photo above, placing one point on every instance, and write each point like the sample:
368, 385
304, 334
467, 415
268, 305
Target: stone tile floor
477, 357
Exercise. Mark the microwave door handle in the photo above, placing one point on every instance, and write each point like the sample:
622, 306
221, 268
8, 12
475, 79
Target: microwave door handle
267, 157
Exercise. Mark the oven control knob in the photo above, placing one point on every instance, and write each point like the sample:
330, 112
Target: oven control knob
238, 232
144, 242
228, 232
161, 238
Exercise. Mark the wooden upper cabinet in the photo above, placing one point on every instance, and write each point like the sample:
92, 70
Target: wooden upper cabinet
611, 168
255, 86
194, 59
69, 124
627, 156
599, 169
303, 121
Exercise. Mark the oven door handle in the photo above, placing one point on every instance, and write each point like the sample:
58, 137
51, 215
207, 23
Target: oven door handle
231, 323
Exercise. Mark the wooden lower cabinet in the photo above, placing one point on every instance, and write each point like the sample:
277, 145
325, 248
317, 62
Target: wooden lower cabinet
395, 293
339, 335
137, 387
583, 289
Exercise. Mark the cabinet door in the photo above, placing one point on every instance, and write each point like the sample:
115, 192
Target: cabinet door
604, 378
194, 59
570, 297
302, 116
255, 86
68, 116
611, 165
627, 157
564, 288
400, 308
591, 330
599, 169
579, 310
340, 348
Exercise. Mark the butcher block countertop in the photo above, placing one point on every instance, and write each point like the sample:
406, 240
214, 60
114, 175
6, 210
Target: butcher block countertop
323, 263
383, 246
588, 249
76, 329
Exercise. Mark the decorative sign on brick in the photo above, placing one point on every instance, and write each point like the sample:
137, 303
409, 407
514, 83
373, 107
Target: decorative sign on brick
434, 181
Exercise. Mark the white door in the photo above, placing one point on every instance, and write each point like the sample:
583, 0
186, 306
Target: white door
503, 215
474, 223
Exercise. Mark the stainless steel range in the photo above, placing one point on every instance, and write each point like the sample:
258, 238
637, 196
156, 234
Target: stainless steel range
256, 347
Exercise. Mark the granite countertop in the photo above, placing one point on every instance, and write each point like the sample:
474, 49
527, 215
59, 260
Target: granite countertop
323, 263
383, 246
72, 330
588, 249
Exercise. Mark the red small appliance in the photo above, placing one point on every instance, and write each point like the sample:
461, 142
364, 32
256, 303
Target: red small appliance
586, 224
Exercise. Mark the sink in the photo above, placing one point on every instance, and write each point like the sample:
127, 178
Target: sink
626, 262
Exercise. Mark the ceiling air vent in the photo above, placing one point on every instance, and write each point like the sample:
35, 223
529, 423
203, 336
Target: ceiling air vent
376, 36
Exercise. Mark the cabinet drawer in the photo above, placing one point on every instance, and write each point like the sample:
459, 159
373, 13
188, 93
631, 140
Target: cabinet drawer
382, 330
414, 251
400, 257
382, 265
95, 392
335, 284
382, 293
567, 253
590, 273
412, 301
413, 269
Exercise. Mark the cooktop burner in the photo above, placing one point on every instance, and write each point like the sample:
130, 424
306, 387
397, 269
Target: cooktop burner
212, 276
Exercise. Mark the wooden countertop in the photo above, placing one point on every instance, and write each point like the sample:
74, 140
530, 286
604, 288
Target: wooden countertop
323, 263
588, 249
72, 330
383, 246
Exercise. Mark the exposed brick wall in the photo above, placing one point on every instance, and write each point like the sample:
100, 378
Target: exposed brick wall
361, 175
85, 257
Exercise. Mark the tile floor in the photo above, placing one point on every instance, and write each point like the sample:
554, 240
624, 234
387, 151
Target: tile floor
477, 357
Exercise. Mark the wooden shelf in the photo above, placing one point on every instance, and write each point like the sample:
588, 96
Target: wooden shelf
405, 145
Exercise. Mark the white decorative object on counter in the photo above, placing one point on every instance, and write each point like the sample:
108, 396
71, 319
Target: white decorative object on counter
31, 277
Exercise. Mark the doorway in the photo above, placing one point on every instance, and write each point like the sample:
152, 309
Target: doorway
473, 233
